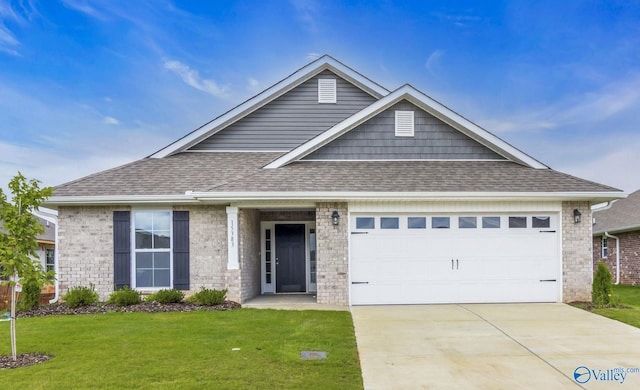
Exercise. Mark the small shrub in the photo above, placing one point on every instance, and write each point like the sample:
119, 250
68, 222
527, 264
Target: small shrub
81, 296
207, 297
166, 296
601, 287
30, 294
125, 297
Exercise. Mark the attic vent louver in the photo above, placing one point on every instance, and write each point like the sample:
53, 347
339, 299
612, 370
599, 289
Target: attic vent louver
326, 90
404, 124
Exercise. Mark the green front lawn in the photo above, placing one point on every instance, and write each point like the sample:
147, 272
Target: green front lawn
629, 296
186, 350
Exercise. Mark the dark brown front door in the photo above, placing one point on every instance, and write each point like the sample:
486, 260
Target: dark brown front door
290, 258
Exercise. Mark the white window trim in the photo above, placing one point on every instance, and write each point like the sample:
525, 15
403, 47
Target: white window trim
327, 91
404, 123
134, 250
605, 247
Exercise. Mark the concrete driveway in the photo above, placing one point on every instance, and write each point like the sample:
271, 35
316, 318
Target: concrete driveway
494, 346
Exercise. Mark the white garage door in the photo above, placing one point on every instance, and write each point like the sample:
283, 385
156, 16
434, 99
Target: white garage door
411, 259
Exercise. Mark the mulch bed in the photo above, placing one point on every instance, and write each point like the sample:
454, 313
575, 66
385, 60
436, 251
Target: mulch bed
28, 359
22, 360
144, 307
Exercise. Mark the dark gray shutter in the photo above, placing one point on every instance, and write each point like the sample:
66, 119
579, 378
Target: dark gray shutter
121, 249
181, 250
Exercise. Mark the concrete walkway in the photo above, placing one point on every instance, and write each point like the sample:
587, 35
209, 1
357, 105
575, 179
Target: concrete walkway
493, 346
289, 302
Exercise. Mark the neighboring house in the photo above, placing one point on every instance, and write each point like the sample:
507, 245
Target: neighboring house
616, 239
46, 244
328, 183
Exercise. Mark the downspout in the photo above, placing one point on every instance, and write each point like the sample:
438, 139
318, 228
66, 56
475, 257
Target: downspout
617, 255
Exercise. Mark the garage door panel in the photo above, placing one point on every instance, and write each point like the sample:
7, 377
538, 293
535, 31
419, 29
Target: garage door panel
395, 266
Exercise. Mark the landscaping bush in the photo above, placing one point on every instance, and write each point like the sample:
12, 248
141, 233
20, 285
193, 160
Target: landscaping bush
30, 294
207, 297
81, 296
601, 287
125, 297
166, 296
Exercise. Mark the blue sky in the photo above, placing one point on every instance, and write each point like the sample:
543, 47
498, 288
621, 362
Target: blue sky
89, 85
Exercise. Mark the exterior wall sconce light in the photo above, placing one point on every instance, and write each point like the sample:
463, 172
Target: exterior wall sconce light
335, 217
577, 216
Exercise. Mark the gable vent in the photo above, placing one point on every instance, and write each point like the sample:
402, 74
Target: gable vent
326, 90
404, 124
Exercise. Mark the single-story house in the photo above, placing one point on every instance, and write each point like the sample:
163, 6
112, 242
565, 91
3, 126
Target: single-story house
329, 184
46, 243
616, 239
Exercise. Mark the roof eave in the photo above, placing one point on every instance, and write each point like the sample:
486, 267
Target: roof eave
625, 229
592, 197
56, 201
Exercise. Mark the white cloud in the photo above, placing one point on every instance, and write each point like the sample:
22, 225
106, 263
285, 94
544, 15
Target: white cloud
313, 56
433, 61
109, 120
613, 165
253, 85
192, 78
307, 12
8, 41
83, 7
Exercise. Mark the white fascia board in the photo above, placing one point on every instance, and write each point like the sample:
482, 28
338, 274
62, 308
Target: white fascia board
268, 95
428, 104
402, 196
56, 201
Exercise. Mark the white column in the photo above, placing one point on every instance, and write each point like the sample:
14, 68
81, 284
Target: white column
232, 238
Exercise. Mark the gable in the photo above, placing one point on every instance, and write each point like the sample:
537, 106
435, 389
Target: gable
376, 139
290, 119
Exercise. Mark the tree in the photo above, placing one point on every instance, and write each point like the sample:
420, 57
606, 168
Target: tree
18, 245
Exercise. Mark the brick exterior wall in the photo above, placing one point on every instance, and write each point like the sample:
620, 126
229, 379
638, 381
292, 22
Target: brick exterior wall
332, 254
207, 247
249, 235
85, 248
577, 254
629, 256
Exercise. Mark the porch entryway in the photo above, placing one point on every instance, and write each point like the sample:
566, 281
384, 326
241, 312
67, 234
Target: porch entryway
288, 257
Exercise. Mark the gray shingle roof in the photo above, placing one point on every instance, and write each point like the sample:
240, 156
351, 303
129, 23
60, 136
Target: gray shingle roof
242, 172
624, 214
171, 175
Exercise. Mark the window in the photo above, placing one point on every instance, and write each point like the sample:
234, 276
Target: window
417, 222
49, 259
491, 222
389, 223
404, 124
267, 257
312, 256
152, 248
605, 247
467, 222
365, 223
440, 222
540, 222
517, 222
327, 91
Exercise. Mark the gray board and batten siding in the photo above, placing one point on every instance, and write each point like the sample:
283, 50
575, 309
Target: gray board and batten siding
289, 120
375, 139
